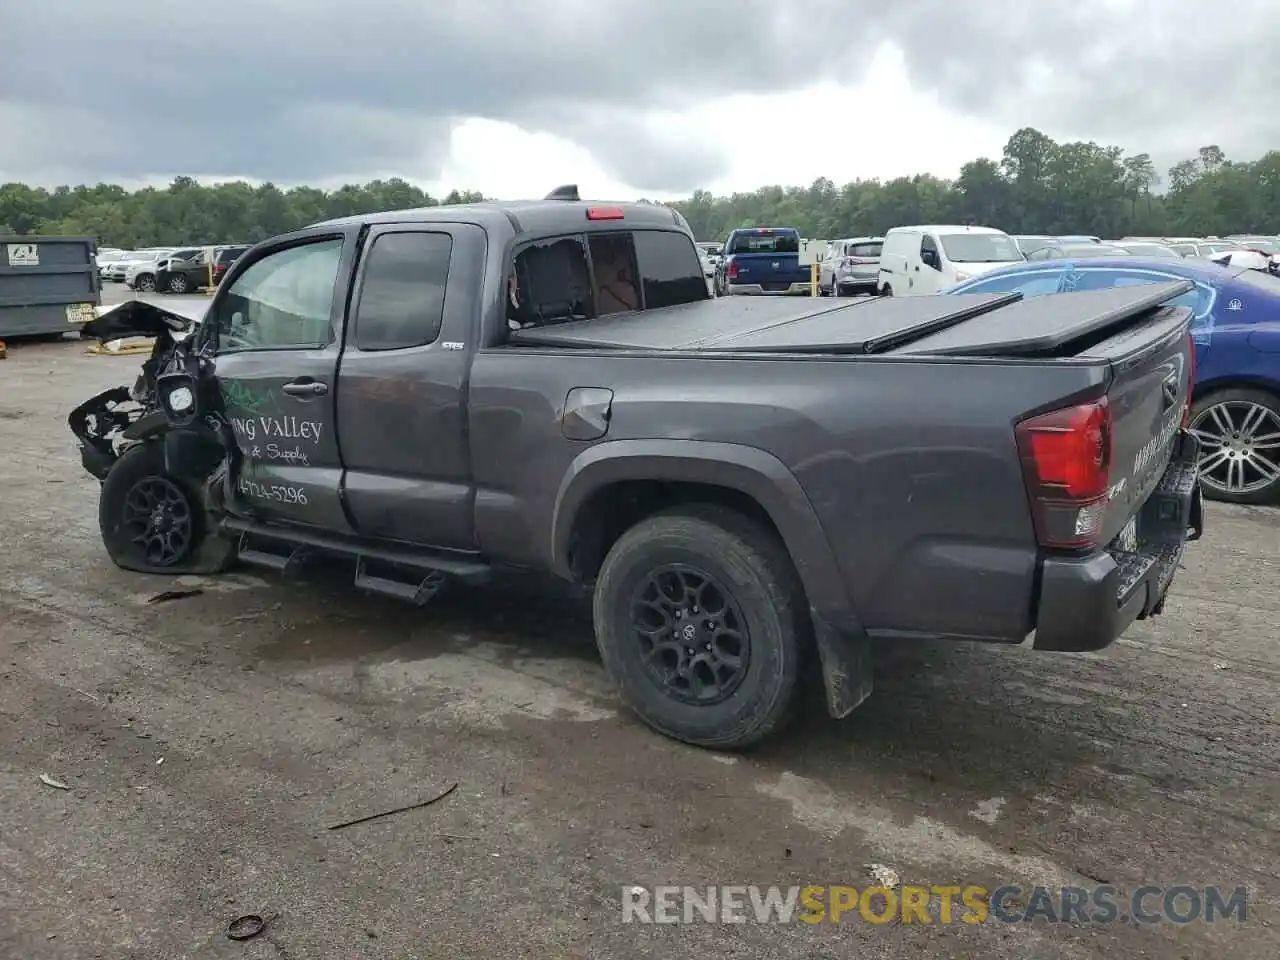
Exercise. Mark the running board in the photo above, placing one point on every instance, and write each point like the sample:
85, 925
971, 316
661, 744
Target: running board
286, 563
256, 539
418, 593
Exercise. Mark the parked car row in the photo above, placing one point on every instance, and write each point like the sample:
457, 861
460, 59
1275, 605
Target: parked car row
175, 270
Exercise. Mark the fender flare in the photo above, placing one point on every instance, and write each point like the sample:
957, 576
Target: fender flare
748, 470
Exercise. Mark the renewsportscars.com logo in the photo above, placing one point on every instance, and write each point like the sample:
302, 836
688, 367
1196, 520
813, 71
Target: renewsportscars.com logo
970, 904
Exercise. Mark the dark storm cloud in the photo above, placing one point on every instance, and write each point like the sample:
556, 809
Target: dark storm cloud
296, 90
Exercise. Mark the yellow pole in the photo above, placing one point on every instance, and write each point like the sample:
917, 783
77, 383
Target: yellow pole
813, 279
209, 264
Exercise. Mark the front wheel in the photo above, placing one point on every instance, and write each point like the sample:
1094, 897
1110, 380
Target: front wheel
145, 282
1239, 434
179, 284
153, 521
701, 621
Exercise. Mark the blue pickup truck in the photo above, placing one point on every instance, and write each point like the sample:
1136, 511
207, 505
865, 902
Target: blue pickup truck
763, 260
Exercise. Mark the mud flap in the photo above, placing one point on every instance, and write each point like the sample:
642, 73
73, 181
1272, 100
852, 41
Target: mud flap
847, 670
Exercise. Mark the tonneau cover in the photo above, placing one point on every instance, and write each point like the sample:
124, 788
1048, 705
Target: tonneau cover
1043, 325
970, 324
757, 325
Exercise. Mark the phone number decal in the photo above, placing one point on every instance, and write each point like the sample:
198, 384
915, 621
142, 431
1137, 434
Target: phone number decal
275, 492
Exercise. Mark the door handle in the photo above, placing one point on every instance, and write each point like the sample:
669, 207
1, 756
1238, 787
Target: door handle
306, 388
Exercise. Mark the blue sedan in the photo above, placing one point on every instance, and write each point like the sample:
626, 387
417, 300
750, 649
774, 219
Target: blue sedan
1236, 399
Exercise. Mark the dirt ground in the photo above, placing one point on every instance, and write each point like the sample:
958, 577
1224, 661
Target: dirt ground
209, 742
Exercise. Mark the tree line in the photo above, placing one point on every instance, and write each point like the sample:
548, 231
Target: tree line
1037, 186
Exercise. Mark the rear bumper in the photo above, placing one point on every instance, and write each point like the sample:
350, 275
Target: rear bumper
754, 289
1086, 603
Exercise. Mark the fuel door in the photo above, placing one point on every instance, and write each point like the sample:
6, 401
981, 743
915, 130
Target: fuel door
586, 413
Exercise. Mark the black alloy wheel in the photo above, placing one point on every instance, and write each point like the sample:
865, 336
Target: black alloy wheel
694, 638
157, 518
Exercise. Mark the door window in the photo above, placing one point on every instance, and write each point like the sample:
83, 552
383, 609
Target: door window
402, 292
283, 301
669, 269
929, 253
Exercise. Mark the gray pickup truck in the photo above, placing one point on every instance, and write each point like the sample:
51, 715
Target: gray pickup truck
753, 488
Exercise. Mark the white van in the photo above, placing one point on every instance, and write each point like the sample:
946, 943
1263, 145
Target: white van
922, 260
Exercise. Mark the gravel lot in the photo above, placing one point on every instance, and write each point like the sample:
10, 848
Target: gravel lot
208, 743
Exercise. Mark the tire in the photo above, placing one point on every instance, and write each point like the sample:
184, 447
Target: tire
729, 552
886, 291
178, 284
142, 468
1233, 467
146, 282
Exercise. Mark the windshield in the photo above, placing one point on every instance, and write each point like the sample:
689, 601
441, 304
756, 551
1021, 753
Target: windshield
980, 248
765, 243
1032, 244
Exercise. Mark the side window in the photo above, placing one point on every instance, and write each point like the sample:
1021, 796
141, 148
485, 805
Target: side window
929, 253
282, 301
401, 300
1028, 284
669, 269
1041, 253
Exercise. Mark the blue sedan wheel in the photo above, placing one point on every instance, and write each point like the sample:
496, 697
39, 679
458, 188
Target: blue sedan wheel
1239, 434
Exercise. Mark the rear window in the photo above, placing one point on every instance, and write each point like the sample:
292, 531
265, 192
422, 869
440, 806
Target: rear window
788, 242
670, 269
864, 249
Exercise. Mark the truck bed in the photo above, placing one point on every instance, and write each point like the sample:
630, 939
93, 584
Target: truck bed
987, 325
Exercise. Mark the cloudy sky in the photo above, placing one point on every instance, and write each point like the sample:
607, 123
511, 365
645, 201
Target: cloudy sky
625, 97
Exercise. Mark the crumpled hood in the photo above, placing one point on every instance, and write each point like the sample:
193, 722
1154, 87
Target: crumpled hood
138, 318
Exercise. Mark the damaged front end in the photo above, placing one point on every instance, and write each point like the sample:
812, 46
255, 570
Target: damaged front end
107, 424
159, 448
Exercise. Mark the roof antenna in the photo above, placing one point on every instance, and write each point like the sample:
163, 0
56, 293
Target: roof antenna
567, 192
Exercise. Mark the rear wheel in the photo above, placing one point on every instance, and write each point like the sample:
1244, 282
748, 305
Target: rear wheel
179, 284
145, 282
701, 621
1239, 434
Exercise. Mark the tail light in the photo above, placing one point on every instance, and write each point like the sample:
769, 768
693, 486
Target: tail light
732, 271
1066, 461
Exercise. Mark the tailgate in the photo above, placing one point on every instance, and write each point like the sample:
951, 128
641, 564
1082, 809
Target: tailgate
770, 269
1152, 370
